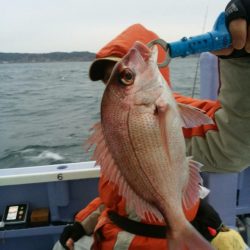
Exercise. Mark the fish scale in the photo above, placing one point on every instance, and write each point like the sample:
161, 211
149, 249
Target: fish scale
120, 141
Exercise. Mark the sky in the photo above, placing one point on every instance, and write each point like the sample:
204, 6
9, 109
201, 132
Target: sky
42, 26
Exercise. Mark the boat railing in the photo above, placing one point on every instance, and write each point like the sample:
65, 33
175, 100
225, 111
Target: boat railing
63, 189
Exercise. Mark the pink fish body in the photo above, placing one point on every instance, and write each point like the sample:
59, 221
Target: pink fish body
141, 148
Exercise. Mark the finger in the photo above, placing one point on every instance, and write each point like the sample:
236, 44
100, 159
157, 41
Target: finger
70, 244
223, 52
238, 30
247, 48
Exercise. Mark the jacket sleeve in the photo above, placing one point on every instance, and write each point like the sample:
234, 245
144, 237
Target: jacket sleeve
88, 216
227, 148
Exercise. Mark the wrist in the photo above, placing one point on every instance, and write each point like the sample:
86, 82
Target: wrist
78, 231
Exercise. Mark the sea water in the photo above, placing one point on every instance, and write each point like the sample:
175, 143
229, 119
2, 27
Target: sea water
47, 109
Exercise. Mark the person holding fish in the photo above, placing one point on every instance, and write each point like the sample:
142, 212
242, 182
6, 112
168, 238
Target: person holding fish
149, 190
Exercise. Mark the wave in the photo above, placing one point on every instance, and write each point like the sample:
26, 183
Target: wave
38, 155
46, 155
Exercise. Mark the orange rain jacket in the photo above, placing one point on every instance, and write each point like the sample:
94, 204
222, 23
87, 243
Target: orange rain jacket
201, 141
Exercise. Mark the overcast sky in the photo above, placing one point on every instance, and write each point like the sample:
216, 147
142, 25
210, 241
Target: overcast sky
86, 25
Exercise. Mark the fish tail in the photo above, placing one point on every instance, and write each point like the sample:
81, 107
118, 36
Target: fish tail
189, 239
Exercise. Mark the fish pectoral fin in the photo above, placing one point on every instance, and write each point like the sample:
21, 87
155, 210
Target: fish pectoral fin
193, 117
192, 190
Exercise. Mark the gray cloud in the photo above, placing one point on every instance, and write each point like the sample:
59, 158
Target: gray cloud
81, 25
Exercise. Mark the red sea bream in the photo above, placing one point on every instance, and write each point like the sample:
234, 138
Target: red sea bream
140, 146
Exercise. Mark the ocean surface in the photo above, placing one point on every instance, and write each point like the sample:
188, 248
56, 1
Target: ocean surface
46, 109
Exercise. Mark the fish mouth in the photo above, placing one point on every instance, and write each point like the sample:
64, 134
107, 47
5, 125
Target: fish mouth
138, 58
139, 54
143, 50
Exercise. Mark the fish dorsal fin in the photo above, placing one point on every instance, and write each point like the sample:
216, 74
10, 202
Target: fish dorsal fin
193, 117
110, 170
192, 190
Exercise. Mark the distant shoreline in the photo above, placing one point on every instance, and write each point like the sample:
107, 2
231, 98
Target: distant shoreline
84, 56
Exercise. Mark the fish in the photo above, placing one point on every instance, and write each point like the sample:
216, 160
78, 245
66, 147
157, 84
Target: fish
141, 148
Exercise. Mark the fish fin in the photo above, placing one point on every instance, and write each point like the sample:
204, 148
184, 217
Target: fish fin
101, 154
95, 137
192, 190
112, 173
189, 238
143, 209
193, 117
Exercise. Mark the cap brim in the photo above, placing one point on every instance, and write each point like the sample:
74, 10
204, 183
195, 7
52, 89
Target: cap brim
96, 70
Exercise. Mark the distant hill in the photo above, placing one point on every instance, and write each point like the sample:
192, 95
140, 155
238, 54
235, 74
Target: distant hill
46, 57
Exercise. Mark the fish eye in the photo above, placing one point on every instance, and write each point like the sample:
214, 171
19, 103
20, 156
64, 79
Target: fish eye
127, 76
